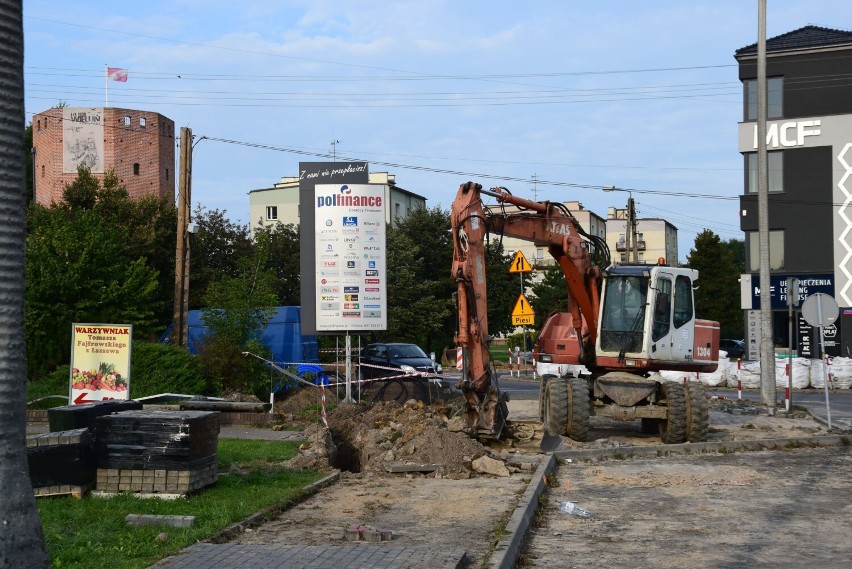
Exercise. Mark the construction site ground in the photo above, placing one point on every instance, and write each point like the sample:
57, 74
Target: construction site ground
675, 507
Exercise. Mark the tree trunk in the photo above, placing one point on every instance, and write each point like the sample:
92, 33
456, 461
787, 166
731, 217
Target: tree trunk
21, 537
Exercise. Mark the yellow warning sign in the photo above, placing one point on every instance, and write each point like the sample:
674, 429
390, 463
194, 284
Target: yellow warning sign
520, 264
523, 313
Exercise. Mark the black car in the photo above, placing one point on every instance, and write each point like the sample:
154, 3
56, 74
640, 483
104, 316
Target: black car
392, 359
734, 348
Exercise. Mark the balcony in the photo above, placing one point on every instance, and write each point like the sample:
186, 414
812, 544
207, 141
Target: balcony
621, 245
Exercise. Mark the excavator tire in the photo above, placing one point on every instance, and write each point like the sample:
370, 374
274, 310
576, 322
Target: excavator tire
697, 413
673, 428
556, 406
577, 423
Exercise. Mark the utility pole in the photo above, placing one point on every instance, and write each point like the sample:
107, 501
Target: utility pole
632, 237
334, 144
767, 349
181, 306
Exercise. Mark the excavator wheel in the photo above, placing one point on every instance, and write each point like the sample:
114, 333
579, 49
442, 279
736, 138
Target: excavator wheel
555, 406
673, 428
577, 423
566, 407
697, 413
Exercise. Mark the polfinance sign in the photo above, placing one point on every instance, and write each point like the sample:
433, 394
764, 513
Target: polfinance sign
351, 269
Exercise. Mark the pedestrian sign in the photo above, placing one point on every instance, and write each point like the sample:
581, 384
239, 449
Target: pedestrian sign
523, 313
520, 263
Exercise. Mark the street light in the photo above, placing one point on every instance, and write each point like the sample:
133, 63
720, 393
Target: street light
630, 230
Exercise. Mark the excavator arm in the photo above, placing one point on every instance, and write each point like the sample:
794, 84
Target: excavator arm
544, 223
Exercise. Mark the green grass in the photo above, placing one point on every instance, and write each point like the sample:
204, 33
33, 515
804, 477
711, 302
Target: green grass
92, 533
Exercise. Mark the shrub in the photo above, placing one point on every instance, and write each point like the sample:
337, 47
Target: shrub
165, 368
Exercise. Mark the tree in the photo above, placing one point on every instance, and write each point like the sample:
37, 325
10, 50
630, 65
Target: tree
549, 294
717, 296
21, 540
239, 307
427, 237
150, 221
414, 313
503, 288
284, 261
80, 269
215, 251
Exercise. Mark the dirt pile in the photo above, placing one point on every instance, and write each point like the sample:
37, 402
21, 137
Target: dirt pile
387, 436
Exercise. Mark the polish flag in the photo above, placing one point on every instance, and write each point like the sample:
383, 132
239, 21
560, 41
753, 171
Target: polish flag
117, 74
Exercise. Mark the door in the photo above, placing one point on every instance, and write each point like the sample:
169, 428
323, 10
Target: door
683, 320
660, 346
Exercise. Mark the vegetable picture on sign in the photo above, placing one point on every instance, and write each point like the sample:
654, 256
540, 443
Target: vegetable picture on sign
100, 362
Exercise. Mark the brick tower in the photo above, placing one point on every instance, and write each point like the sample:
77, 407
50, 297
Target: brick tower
138, 145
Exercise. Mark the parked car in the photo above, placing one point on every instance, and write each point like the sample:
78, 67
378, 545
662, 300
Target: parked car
390, 359
734, 348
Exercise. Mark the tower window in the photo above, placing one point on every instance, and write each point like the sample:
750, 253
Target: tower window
142, 121
136, 169
127, 121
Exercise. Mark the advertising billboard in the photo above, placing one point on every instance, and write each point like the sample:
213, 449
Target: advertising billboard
100, 362
351, 273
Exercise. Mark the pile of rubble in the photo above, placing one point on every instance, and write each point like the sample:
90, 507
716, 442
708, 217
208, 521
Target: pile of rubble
412, 438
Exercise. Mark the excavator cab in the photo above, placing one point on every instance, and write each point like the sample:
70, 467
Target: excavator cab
648, 320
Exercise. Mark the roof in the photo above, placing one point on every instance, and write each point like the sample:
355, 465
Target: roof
803, 38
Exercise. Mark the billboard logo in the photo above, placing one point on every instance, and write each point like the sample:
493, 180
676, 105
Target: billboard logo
350, 289
350, 221
371, 281
371, 264
344, 189
372, 273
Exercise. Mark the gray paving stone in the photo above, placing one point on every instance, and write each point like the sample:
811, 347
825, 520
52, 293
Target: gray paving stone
354, 556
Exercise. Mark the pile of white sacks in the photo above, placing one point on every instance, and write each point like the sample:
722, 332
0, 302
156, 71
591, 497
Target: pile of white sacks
806, 373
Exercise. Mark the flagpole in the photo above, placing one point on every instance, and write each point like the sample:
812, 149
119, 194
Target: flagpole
106, 84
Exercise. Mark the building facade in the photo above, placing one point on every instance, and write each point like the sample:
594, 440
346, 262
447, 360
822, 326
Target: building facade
656, 238
139, 146
280, 203
809, 145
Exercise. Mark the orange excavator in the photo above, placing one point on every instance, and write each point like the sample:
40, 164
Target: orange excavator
602, 357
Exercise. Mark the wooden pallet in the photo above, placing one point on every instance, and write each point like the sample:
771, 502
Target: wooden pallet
62, 490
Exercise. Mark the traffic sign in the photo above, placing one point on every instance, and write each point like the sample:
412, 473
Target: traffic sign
820, 309
523, 313
520, 263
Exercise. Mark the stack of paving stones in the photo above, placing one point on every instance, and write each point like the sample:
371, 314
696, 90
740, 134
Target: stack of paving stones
84, 415
63, 461
157, 452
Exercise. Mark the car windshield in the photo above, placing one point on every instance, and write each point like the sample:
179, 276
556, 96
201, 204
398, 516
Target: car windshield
406, 351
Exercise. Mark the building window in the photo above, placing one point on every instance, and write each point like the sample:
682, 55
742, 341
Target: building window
39, 125
272, 212
774, 98
127, 120
42, 170
167, 174
136, 169
775, 167
142, 121
396, 208
776, 250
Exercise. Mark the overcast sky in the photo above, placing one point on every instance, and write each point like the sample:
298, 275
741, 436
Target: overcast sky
551, 99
